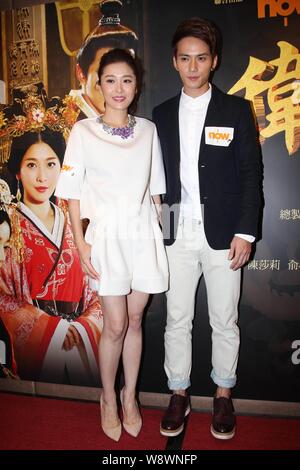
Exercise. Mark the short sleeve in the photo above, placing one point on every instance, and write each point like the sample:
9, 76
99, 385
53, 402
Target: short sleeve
157, 179
71, 178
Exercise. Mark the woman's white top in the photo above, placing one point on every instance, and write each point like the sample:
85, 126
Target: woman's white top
114, 179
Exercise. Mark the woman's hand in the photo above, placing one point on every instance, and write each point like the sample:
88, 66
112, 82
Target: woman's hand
85, 258
72, 338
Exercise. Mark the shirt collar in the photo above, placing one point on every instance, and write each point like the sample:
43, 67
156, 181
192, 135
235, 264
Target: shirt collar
195, 103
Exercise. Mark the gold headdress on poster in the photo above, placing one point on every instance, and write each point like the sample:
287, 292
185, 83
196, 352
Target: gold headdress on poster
7, 205
32, 111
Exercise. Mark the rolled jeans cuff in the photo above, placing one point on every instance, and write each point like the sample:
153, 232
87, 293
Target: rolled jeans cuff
179, 384
222, 382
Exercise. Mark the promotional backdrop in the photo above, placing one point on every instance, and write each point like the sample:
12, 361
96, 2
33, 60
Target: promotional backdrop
260, 61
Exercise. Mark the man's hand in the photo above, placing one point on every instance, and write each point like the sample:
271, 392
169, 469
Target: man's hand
239, 253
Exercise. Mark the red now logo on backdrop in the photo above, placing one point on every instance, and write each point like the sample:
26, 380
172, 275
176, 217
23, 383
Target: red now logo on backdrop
274, 8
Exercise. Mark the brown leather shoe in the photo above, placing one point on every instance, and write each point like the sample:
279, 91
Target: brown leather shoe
223, 420
173, 419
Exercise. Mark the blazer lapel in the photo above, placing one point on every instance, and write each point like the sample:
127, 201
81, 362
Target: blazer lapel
213, 111
173, 130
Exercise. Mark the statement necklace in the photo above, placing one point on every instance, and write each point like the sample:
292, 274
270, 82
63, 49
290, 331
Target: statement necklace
123, 132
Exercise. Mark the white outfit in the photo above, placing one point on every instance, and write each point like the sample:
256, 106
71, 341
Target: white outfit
114, 179
192, 113
189, 257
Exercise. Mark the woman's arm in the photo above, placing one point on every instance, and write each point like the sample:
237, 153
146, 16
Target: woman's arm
84, 249
74, 211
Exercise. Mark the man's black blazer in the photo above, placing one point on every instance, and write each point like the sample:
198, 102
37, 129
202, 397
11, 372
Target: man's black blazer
229, 176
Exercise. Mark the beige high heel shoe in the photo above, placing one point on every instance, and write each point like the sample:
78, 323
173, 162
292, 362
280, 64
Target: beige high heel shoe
131, 428
114, 432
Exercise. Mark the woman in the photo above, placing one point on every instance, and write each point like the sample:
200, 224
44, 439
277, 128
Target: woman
112, 170
45, 303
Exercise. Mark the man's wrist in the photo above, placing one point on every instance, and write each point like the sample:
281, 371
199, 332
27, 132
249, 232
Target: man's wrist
248, 238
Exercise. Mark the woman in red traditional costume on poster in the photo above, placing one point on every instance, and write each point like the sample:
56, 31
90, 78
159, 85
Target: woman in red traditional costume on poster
53, 317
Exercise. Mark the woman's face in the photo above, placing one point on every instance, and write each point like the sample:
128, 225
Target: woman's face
4, 239
39, 171
118, 85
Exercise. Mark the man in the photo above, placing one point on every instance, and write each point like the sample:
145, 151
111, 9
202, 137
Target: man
107, 35
213, 173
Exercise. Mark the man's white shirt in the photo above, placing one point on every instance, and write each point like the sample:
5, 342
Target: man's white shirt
192, 114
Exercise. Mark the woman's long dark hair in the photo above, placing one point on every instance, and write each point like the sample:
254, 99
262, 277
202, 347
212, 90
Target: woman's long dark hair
21, 144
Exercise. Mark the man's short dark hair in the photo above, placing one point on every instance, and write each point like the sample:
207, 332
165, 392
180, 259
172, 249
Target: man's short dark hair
198, 28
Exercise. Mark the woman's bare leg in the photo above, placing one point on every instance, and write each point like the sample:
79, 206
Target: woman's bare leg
132, 349
115, 323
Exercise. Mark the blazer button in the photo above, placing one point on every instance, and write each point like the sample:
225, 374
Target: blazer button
202, 166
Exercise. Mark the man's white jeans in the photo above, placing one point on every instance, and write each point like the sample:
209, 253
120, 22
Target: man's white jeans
189, 257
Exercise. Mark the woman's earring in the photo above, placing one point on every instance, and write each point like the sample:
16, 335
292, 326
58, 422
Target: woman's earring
18, 195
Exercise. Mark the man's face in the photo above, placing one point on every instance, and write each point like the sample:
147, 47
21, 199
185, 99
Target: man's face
194, 64
90, 83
